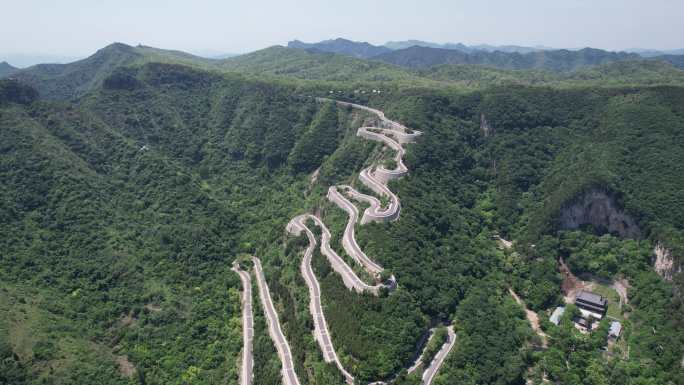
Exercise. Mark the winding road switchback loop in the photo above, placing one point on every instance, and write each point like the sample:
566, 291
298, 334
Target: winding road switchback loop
394, 135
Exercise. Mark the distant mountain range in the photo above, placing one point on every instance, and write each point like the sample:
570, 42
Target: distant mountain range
23, 60
342, 46
416, 54
361, 62
653, 52
557, 60
396, 45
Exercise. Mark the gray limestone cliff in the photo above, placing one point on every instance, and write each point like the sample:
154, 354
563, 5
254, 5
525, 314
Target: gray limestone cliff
599, 209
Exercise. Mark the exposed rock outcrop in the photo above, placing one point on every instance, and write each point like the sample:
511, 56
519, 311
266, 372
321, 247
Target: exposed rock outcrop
487, 130
599, 209
664, 262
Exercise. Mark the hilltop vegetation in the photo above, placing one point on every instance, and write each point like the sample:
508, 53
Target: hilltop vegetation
126, 206
558, 60
326, 70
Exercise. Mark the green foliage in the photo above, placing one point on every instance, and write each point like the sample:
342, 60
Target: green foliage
374, 336
136, 212
643, 72
124, 209
534, 274
318, 141
436, 341
491, 328
606, 255
12, 91
552, 60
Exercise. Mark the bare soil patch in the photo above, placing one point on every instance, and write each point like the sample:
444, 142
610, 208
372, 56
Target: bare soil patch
126, 368
153, 307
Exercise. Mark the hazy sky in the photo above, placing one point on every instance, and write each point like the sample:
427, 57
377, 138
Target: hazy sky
79, 27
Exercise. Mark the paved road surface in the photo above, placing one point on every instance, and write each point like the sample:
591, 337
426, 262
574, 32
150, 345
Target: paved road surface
376, 178
283, 348
349, 277
247, 371
431, 371
419, 361
321, 332
348, 239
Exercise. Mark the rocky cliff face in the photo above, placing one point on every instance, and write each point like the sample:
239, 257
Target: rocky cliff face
664, 263
598, 208
485, 127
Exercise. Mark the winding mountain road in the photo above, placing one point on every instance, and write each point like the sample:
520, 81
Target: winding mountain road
283, 348
376, 177
431, 371
247, 368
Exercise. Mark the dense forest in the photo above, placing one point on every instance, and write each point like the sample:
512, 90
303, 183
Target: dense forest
129, 189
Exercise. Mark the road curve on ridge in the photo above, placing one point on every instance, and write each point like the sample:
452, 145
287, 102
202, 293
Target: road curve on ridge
431, 371
283, 348
247, 368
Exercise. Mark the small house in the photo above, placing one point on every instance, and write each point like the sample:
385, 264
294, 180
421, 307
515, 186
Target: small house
615, 330
556, 315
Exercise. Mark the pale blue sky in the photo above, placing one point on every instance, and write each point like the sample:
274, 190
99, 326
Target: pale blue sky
79, 27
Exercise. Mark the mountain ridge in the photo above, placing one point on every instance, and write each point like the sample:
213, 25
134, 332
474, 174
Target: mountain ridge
7, 69
559, 60
427, 67
342, 46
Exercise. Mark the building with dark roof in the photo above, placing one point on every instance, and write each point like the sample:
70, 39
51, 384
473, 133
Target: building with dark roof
593, 303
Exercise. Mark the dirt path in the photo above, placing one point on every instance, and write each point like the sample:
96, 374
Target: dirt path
621, 286
571, 285
532, 317
504, 244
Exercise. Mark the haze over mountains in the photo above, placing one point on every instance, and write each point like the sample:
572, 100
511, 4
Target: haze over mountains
420, 54
345, 60
366, 50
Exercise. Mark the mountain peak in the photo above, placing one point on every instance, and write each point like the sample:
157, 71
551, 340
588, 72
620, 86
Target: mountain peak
116, 47
7, 69
342, 46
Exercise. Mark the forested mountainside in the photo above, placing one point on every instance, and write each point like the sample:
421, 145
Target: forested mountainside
324, 69
556, 60
64, 81
124, 208
416, 54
